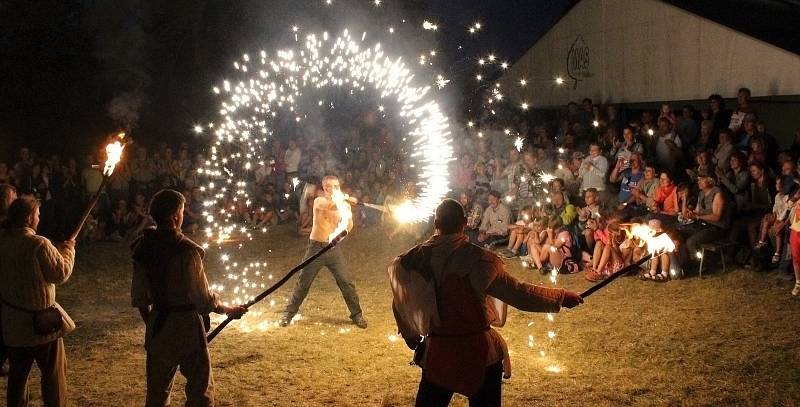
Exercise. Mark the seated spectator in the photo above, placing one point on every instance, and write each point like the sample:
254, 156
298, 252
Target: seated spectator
517, 232
644, 192
587, 218
535, 240
482, 180
6, 175
665, 207
710, 218
607, 257
737, 179
724, 150
119, 222
558, 206
193, 210
141, 216
773, 224
706, 142
495, 221
627, 179
474, 212
758, 154
558, 251
564, 173
593, 169
703, 166
758, 203
264, 213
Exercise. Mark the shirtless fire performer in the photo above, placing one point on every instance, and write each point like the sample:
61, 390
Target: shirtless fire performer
326, 218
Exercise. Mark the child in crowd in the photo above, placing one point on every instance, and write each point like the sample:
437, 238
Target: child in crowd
518, 231
535, 241
607, 257
659, 266
773, 223
558, 251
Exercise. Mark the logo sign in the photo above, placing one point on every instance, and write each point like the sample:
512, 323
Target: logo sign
578, 67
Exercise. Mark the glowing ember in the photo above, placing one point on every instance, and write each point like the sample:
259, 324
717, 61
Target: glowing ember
114, 154
647, 235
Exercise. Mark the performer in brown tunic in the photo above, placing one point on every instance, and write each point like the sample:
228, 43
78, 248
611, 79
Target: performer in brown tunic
171, 291
463, 354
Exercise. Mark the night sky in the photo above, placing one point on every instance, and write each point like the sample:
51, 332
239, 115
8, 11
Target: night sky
64, 63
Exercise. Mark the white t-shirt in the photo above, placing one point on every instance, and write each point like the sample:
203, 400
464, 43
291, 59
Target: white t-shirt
292, 159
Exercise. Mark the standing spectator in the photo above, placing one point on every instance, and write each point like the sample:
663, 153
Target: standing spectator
593, 169
794, 245
743, 108
668, 146
758, 203
687, 127
30, 269
706, 139
495, 221
628, 147
22, 169
667, 113
722, 153
292, 159
717, 113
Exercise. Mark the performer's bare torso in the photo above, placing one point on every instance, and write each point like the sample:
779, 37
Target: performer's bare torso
326, 215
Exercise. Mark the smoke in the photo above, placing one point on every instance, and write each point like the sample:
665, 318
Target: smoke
124, 109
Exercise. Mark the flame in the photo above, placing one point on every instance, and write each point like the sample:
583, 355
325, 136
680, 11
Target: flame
113, 154
345, 214
404, 212
656, 244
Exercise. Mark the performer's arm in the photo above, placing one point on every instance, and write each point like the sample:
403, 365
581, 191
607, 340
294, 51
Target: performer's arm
492, 279
56, 263
200, 295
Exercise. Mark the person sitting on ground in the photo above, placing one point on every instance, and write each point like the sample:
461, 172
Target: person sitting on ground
607, 257
474, 213
495, 221
773, 224
556, 186
587, 218
518, 232
535, 241
558, 250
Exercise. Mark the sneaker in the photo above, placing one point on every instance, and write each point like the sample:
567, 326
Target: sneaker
796, 290
284, 322
760, 245
360, 322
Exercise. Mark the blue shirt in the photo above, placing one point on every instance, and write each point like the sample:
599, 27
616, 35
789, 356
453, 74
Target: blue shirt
629, 180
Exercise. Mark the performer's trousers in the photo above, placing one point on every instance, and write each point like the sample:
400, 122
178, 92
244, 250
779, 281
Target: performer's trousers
431, 395
195, 367
334, 261
52, 362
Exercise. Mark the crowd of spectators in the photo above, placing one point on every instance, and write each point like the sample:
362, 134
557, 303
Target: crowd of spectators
563, 201
566, 200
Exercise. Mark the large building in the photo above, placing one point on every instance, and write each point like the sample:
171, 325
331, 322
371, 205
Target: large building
640, 52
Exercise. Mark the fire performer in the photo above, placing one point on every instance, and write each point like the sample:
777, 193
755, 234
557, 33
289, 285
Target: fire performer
331, 211
461, 353
171, 291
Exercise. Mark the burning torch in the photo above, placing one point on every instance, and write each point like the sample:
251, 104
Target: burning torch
656, 246
113, 155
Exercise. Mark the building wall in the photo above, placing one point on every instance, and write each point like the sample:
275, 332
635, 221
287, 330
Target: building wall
631, 51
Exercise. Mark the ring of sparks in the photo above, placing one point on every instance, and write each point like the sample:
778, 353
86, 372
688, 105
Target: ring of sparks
268, 87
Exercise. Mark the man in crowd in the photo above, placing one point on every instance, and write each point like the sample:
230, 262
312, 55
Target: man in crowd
326, 217
171, 292
33, 324
593, 169
463, 354
495, 221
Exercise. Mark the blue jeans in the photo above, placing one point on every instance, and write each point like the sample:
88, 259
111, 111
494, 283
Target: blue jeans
334, 260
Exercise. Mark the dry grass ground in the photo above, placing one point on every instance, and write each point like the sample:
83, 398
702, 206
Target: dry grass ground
725, 340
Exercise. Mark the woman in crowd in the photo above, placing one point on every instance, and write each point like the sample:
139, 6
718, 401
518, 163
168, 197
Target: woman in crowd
737, 179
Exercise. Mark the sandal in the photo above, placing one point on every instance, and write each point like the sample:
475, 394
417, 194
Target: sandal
647, 275
594, 276
776, 258
661, 278
760, 245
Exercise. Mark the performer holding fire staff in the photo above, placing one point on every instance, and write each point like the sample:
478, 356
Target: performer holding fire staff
450, 291
171, 291
328, 213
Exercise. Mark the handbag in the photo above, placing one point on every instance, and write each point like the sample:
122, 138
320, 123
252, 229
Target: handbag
45, 322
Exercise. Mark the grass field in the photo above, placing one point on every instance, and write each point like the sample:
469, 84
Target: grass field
730, 339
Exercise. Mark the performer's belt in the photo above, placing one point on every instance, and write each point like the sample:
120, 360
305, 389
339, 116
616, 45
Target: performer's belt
174, 308
438, 335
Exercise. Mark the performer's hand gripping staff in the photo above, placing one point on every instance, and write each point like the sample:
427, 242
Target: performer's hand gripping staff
277, 285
